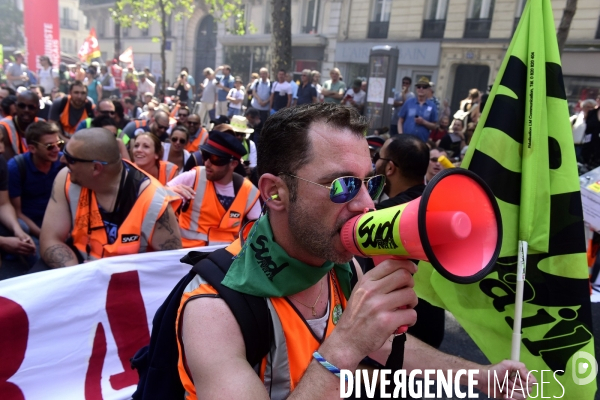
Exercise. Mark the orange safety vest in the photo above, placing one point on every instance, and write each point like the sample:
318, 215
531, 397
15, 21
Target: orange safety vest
198, 141
141, 123
166, 171
18, 143
135, 233
293, 340
64, 118
206, 222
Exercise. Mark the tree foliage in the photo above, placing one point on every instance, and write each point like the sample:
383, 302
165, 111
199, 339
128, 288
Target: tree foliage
11, 23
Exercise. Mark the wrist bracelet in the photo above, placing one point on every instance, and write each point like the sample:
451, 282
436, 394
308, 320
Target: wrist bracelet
330, 367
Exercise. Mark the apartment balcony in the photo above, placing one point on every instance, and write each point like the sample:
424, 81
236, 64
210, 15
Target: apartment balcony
309, 29
477, 28
378, 29
433, 28
71, 24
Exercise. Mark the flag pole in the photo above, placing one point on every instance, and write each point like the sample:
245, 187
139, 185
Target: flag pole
515, 351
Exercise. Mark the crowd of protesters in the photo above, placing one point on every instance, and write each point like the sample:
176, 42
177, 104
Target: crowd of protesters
149, 169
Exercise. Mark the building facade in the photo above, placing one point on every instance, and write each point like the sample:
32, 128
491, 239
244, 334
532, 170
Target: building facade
458, 44
73, 24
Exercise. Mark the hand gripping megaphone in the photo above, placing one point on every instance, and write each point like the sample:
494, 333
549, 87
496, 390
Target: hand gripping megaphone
455, 225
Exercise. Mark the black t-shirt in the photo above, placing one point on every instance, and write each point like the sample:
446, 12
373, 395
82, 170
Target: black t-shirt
401, 198
591, 148
447, 143
3, 174
181, 92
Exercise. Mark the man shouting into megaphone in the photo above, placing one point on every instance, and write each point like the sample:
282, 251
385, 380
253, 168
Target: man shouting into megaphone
326, 315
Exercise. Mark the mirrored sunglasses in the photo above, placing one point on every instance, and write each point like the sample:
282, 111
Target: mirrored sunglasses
346, 188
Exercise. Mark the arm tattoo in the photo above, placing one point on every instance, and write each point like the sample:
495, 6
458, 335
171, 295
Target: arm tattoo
56, 256
164, 223
171, 244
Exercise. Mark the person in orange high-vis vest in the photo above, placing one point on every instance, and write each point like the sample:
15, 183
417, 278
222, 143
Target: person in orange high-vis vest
166, 171
12, 129
69, 111
294, 260
213, 217
105, 205
199, 138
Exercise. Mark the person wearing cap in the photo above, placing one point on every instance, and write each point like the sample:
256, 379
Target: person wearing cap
48, 76
375, 142
16, 74
145, 86
235, 98
219, 201
242, 132
418, 115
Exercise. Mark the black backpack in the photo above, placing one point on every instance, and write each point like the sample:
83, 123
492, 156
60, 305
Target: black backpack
157, 363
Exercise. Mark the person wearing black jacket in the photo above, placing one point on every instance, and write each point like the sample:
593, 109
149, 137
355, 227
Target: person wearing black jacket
404, 160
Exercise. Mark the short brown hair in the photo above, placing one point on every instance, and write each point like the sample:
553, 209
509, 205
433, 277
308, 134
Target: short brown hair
284, 145
38, 129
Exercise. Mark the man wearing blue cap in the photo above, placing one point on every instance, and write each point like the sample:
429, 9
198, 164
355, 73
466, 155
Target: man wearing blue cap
219, 201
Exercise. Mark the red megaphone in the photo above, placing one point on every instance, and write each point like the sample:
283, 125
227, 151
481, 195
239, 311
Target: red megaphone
455, 225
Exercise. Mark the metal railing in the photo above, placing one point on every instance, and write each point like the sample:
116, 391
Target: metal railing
67, 23
378, 29
433, 28
478, 28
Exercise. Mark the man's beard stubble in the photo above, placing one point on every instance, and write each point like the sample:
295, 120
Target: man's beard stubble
311, 236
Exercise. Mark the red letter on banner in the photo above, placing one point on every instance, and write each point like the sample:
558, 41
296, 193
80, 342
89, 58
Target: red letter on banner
14, 330
93, 377
128, 323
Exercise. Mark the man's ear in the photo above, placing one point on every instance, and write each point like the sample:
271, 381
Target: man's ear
274, 192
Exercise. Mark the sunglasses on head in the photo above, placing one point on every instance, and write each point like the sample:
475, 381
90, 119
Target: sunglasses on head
29, 107
215, 159
346, 188
72, 160
50, 146
180, 140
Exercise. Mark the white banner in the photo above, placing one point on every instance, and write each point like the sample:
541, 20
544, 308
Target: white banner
69, 333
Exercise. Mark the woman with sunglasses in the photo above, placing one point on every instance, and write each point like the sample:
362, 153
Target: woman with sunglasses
147, 152
174, 149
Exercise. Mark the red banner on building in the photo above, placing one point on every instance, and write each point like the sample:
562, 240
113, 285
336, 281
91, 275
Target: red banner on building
42, 31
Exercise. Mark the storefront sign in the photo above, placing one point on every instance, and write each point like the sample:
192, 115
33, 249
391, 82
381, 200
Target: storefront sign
411, 53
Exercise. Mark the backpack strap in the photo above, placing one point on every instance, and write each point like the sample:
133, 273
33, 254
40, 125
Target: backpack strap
251, 312
20, 160
238, 181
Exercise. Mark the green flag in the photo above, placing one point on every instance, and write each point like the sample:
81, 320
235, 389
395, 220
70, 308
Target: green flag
523, 149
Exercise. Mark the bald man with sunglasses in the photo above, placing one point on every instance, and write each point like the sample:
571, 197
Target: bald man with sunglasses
315, 174
102, 206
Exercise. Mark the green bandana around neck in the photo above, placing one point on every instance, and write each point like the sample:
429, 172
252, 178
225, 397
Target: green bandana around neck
264, 269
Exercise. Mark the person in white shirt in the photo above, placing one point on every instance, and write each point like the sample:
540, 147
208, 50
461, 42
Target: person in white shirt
316, 76
48, 76
235, 98
578, 125
281, 93
355, 97
209, 96
145, 85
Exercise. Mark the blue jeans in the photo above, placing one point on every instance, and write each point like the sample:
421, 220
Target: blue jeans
233, 111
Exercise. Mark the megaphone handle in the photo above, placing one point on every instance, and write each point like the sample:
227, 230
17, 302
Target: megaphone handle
378, 260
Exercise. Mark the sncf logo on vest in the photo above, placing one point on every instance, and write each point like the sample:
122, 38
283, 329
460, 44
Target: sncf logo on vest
129, 238
234, 214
